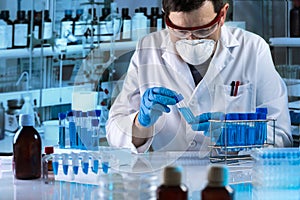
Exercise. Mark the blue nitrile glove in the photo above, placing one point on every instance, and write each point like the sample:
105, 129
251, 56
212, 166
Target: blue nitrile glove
154, 102
201, 122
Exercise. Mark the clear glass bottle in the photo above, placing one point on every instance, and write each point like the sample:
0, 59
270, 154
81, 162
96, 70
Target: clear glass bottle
172, 188
139, 26
27, 150
20, 30
217, 187
47, 168
9, 28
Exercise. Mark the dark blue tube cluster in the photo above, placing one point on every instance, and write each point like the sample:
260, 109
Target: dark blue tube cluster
83, 129
242, 129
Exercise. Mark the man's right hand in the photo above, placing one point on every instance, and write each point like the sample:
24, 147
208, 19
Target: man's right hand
154, 102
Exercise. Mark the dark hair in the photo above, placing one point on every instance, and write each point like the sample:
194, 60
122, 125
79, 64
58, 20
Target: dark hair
188, 5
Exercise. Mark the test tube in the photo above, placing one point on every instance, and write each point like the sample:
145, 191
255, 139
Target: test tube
62, 130
242, 130
251, 129
231, 128
72, 129
78, 128
262, 125
95, 134
84, 130
184, 109
91, 115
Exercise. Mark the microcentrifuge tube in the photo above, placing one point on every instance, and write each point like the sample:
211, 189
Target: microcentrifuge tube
55, 164
75, 163
85, 163
95, 165
65, 163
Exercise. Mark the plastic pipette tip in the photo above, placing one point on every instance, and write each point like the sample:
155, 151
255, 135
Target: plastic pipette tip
105, 166
85, 168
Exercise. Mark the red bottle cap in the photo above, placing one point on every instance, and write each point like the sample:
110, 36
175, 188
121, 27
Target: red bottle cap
49, 150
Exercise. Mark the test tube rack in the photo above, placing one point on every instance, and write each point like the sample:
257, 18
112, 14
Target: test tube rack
83, 167
276, 173
232, 140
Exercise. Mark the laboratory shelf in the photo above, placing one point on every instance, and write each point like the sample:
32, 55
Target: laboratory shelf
294, 105
49, 51
284, 42
44, 97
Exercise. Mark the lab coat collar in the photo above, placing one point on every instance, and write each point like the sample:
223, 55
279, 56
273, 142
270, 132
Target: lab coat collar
223, 54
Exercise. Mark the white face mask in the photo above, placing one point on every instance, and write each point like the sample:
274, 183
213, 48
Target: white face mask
195, 52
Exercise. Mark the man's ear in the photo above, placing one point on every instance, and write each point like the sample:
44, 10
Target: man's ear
224, 11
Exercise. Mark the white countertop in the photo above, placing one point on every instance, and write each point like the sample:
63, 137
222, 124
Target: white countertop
194, 176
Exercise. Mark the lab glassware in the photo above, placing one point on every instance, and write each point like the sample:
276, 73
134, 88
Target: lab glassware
184, 109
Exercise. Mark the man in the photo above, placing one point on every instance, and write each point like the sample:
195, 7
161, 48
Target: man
198, 57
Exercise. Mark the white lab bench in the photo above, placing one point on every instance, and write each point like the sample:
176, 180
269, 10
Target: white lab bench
194, 176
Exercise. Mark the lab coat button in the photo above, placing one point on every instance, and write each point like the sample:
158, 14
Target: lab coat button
193, 143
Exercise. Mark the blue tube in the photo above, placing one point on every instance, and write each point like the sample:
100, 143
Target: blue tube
55, 167
62, 130
251, 133
95, 166
231, 129
261, 126
242, 129
72, 129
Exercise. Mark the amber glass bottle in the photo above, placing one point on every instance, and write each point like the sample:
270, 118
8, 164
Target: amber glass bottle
172, 188
217, 187
295, 19
27, 147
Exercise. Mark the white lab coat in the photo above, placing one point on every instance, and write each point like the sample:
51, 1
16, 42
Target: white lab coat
240, 56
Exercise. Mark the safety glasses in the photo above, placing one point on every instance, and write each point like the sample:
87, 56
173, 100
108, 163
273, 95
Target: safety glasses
199, 31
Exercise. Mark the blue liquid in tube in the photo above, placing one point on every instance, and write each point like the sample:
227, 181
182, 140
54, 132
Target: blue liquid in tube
184, 109
187, 114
